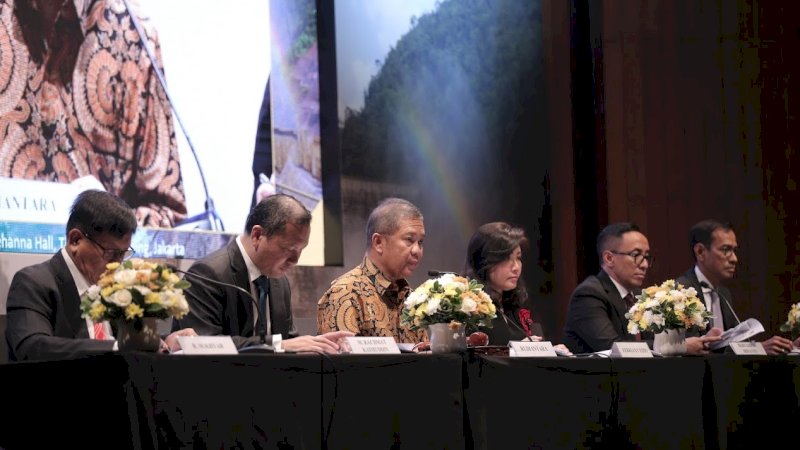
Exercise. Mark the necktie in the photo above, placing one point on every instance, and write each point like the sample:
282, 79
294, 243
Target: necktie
630, 301
263, 324
99, 331
716, 310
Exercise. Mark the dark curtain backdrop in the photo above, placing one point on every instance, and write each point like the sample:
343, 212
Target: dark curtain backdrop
694, 116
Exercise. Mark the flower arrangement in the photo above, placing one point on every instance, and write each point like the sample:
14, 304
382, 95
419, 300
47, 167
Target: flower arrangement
135, 289
667, 307
449, 299
792, 324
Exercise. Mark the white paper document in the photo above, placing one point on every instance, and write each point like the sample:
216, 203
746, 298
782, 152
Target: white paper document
739, 333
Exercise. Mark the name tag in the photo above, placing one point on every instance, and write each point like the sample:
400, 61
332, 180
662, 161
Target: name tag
520, 349
207, 345
748, 348
370, 345
630, 350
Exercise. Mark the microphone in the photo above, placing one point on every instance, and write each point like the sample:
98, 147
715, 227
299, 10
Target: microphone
438, 273
261, 348
705, 285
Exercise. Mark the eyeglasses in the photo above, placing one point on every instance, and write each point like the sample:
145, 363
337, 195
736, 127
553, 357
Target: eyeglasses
112, 254
726, 250
638, 257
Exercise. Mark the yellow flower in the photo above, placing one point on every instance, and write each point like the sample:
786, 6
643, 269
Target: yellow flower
107, 291
133, 310
152, 298
97, 311
112, 266
105, 280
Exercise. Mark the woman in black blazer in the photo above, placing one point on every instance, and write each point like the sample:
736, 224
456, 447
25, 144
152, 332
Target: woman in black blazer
494, 258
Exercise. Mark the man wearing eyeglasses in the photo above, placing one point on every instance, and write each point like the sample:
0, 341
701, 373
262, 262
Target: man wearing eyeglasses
714, 248
44, 317
596, 315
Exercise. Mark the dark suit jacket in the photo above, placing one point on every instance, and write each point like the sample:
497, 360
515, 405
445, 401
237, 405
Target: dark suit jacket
689, 279
596, 316
505, 329
220, 310
44, 317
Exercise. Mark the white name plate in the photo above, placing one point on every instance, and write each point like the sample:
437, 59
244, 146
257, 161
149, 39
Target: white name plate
630, 350
207, 345
520, 349
748, 348
371, 345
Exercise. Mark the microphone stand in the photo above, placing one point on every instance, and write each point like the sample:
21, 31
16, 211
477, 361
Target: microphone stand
705, 285
214, 222
263, 347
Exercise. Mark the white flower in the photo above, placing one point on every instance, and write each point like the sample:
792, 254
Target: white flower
125, 277
676, 295
433, 306
415, 298
657, 319
121, 298
468, 305
93, 293
144, 290
660, 294
446, 279
633, 327
690, 292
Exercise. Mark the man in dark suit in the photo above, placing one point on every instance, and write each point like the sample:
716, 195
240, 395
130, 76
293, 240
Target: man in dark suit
276, 232
596, 314
44, 317
714, 248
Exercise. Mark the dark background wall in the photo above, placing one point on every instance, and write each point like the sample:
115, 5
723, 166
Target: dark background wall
693, 117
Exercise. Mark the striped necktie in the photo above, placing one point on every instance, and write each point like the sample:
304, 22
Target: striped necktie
99, 331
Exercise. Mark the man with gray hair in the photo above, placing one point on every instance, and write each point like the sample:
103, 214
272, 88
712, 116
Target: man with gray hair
368, 299
276, 232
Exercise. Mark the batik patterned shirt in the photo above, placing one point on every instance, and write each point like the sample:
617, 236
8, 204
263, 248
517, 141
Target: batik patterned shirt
367, 303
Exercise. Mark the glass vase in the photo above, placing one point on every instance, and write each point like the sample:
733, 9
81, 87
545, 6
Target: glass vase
138, 335
447, 338
670, 342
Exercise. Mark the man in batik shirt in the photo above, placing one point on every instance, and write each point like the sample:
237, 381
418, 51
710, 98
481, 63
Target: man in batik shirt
368, 300
79, 98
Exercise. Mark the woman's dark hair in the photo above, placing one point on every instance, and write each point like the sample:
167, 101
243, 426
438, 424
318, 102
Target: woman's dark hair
492, 244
